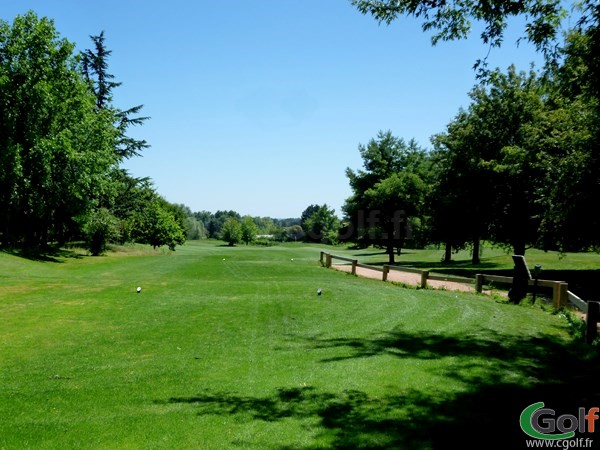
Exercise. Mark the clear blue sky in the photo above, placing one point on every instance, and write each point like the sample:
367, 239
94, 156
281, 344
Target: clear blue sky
259, 105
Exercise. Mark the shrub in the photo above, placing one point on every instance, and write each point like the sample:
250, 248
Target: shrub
100, 229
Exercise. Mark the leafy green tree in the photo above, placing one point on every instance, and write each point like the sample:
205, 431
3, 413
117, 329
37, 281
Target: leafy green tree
520, 163
179, 212
447, 220
130, 197
291, 221
295, 233
249, 230
158, 226
231, 232
205, 217
564, 136
100, 229
569, 141
309, 211
387, 193
265, 225
194, 229
490, 176
56, 148
143, 215
460, 209
453, 20
213, 223
395, 199
322, 226
218, 219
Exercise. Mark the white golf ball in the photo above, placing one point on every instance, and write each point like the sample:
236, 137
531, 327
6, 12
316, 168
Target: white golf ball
139, 289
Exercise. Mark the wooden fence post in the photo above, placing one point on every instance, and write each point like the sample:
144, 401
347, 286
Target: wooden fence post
327, 260
424, 276
555, 294
354, 263
564, 294
321, 257
386, 270
591, 321
560, 296
479, 282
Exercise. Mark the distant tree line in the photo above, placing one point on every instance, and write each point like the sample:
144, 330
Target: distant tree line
231, 227
317, 223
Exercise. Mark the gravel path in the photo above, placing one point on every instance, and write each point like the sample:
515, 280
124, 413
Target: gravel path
412, 279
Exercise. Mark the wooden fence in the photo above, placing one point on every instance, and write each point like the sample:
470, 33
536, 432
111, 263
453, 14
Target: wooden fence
561, 296
327, 259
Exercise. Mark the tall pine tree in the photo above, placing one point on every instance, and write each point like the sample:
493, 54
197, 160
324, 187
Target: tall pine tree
95, 69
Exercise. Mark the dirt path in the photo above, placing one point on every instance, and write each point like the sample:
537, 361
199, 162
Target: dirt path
412, 279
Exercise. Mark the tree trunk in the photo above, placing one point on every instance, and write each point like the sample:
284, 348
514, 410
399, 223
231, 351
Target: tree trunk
391, 253
476, 247
519, 248
389, 242
448, 253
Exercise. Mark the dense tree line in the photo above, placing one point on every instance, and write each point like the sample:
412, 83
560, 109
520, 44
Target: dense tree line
317, 224
231, 227
518, 167
61, 145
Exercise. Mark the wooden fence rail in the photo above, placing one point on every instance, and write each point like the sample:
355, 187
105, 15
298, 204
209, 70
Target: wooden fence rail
579, 303
327, 259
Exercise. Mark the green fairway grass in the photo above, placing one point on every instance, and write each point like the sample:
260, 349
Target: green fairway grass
231, 347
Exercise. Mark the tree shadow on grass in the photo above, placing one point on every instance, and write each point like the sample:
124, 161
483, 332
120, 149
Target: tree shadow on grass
400, 344
50, 254
349, 419
503, 374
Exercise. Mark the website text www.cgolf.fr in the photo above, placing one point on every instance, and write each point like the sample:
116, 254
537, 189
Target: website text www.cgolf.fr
562, 443
549, 431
